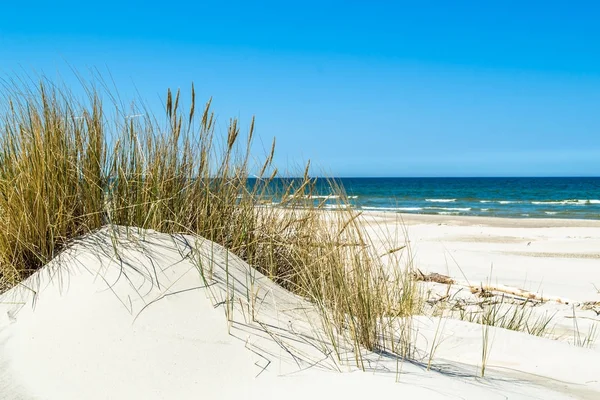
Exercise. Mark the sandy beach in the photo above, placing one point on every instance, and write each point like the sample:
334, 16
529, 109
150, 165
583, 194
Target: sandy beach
146, 326
557, 257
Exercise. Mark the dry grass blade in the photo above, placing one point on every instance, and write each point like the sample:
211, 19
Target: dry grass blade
67, 168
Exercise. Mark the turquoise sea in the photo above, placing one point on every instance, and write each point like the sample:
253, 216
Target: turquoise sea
496, 197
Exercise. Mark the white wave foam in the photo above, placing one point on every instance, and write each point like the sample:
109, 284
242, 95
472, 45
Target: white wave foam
447, 213
337, 206
324, 197
500, 201
566, 202
485, 209
449, 208
440, 200
269, 204
551, 212
393, 208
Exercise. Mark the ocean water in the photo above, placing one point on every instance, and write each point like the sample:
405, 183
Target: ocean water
497, 197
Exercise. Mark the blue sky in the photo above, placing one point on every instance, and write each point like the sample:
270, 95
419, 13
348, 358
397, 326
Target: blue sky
376, 88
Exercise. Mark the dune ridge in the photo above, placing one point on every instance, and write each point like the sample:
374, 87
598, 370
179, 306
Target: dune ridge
141, 323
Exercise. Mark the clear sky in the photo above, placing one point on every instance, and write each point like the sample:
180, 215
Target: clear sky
371, 88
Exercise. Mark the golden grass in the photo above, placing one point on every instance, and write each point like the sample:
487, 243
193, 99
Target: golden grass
67, 168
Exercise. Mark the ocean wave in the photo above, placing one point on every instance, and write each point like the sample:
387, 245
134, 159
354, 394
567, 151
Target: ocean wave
338, 206
324, 197
566, 202
485, 209
447, 213
269, 204
440, 200
393, 208
500, 201
449, 208
545, 203
551, 212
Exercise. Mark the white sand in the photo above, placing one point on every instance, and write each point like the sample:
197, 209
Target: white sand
550, 256
144, 326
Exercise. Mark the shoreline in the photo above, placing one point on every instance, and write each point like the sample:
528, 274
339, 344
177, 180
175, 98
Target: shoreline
467, 220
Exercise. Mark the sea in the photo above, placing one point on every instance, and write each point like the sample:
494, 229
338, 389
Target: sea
577, 198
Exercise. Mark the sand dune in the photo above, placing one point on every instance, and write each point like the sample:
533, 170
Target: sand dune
145, 324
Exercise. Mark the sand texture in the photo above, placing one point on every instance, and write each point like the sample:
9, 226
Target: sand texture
143, 323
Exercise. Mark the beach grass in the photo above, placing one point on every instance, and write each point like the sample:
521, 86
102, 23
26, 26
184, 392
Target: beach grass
69, 166
515, 317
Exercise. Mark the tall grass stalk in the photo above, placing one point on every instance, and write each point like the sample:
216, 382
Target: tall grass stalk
514, 317
69, 167
584, 340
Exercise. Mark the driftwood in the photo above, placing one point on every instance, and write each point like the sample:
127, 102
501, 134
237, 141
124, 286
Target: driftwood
434, 277
491, 290
593, 306
516, 292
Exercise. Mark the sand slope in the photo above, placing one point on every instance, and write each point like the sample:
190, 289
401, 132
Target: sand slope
144, 324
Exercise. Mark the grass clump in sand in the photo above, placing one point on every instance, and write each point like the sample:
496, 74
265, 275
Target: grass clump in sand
511, 316
489, 306
69, 167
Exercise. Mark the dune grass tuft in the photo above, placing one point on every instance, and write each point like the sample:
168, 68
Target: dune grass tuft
515, 317
69, 167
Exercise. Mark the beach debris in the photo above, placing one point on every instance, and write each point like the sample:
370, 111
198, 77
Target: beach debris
433, 277
592, 306
519, 293
483, 290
